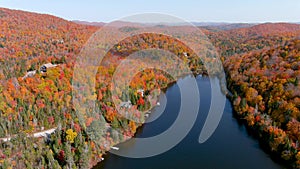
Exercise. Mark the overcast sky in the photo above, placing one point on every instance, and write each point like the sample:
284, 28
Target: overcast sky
189, 10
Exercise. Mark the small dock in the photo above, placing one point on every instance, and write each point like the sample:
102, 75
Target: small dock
115, 148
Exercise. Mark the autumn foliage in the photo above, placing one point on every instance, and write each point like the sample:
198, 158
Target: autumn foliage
262, 65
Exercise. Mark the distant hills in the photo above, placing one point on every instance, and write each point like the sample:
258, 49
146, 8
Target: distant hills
268, 28
211, 26
89, 23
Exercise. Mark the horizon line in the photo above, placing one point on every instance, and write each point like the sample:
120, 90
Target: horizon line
120, 20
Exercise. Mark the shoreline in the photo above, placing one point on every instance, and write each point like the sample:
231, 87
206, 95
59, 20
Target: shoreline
259, 125
251, 129
95, 163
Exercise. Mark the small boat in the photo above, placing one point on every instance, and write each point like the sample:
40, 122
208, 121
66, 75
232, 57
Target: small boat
158, 103
102, 159
115, 148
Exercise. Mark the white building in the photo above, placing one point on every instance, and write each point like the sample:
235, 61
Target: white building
29, 74
46, 66
127, 104
185, 54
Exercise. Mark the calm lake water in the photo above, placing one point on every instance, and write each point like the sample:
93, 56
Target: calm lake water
230, 147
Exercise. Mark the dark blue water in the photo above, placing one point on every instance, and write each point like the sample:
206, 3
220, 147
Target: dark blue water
230, 147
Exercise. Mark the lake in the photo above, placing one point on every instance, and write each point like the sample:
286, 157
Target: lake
230, 147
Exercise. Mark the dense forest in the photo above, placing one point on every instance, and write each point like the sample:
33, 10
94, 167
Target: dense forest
262, 65
265, 85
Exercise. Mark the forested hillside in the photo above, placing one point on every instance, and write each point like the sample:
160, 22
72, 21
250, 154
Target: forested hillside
242, 40
266, 91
